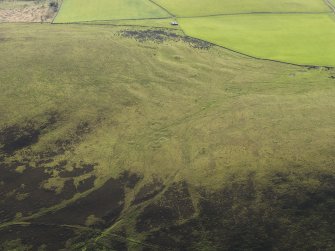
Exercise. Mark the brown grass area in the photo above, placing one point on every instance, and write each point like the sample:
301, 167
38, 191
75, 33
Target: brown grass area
26, 11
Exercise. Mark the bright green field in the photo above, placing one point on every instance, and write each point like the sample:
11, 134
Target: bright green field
92, 10
300, 39
210, 7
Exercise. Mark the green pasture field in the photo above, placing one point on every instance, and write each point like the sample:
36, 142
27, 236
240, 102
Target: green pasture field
182, 8
97, 10
220, 144
306, 39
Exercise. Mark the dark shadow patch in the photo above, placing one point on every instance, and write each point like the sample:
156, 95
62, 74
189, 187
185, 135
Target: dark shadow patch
16, 137
175, 204
226, 221
285, 214
86, 184
129, 179
103, 205
155, 216
37, 236
22, 192
148, 191
180, 237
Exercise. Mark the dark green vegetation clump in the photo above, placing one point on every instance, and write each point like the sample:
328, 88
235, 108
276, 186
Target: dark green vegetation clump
162, 35
112, 142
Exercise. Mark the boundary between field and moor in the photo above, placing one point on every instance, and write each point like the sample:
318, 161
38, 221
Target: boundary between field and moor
263, 59
256, 13
59, 8
176, 17
116, 19
163, 8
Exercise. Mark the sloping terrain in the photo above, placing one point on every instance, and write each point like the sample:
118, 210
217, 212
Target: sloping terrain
144, 139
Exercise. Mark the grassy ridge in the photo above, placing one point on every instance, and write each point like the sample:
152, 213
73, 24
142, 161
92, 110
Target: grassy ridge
191, 8
88, 10
300, 39
217, 143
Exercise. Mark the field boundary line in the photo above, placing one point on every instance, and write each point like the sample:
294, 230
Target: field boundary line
119, 25
186, 35
61, 4
257, 13
181, 29
266, 59
163, 8
125, 19
118, 19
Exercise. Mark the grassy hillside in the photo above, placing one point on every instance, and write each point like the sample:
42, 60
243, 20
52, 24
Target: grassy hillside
93, 10
114, 138
301, 39
182, 8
